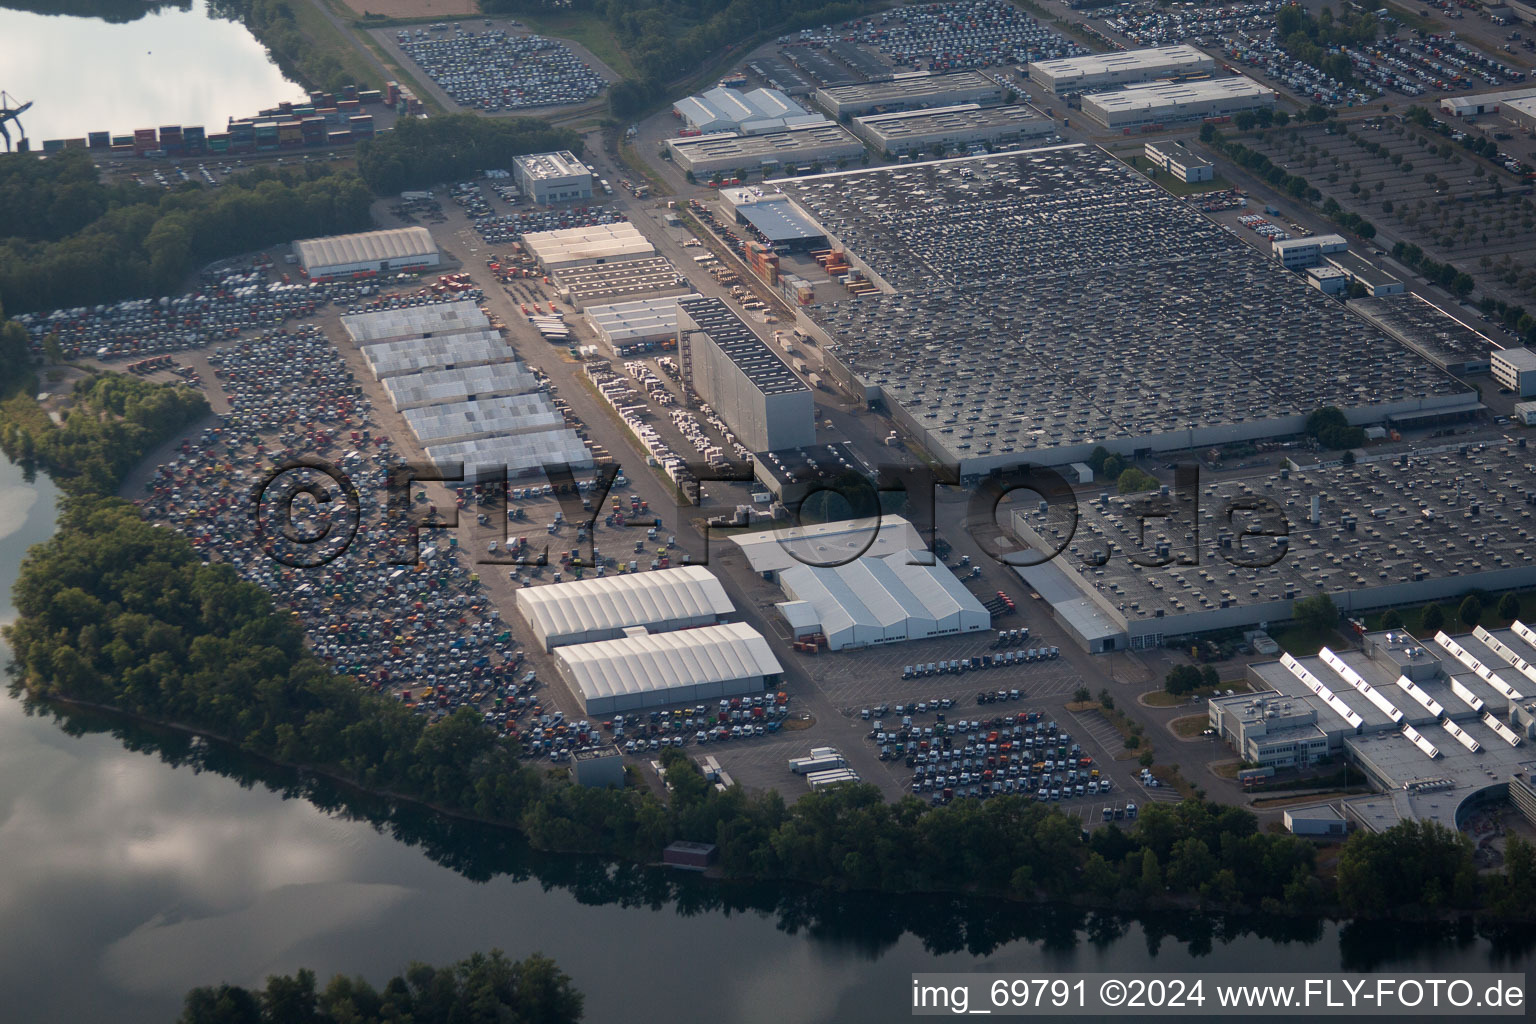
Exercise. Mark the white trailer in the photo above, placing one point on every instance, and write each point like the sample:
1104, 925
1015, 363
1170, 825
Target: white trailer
806, 765
837, 776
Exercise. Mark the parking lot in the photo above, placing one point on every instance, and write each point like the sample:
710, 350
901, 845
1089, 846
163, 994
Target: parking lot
495, 66
1417, 185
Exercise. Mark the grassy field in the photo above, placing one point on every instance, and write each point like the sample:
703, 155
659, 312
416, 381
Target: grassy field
1191, 726
327, 37
588, 30
1490, 618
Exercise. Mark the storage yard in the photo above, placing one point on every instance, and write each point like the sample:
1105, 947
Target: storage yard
1115, 253
493, 69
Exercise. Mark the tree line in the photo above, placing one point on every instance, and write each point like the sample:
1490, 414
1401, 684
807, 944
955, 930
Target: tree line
424, 152
70, 240
1309, 39
481, 987
295, 53
1294, 184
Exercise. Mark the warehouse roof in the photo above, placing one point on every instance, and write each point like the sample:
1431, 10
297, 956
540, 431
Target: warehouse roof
880, 592
665, 661
1306, 242
826, 543
741, 345
549, 166
724, 109
517, 454
904, 123
1152, 95
415, 354
780, 222
616, 602
594, 242
1157, 58
1428, 330
910, 88
767, 145
367, 247
460, 382
1361, 269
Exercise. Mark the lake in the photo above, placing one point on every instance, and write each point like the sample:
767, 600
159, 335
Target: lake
139, 864
171, 66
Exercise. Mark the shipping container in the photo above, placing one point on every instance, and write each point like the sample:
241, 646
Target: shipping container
99, 140
341, 137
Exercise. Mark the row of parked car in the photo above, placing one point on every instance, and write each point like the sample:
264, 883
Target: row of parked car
976, 663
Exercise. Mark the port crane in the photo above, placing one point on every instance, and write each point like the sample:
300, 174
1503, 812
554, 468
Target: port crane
10, 111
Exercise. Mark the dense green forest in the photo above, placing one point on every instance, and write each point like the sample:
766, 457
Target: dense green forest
114, 421
68, 239
450, 148
482, 988
670, 39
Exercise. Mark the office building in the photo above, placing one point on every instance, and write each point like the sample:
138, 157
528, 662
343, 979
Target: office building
552, 177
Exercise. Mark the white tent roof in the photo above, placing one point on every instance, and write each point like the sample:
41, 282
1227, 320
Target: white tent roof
826, 543
877, 598
666, 661
632, 599
415, 321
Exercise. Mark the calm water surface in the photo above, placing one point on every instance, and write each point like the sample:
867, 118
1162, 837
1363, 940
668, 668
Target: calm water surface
172, 66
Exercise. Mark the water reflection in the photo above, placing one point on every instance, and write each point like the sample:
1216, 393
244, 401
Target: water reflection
175, 64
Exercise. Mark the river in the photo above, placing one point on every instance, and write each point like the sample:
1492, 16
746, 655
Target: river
174, 65
139, 864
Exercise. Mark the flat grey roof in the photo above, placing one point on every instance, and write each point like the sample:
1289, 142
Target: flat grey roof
1361, 269
1426, 328
780, 222
1063, 277
741, 345
912, 87
1522, 359
1393, 542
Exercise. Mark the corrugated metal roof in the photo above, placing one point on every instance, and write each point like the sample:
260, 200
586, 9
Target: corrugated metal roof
366, 247
665, 661
614, 602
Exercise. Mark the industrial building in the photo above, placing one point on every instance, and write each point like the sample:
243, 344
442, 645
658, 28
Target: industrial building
774, 216
1520, 111
1180, 161
746, 113
826, 544
1115, 254
1514, 368
645, 277
1160, 103
1373, 279
781, 223
369, 252
1328, 280
909, 91
802, 145
743, 380
647, 670
1321, 821
552, 177
1399, 527
469, 419
1308, 251
905, 132
1525, 412
1439, 727
1430, 331
1095, 72
603, 607
879, 600
1484, 103
627, 328
587, 246
518, 455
